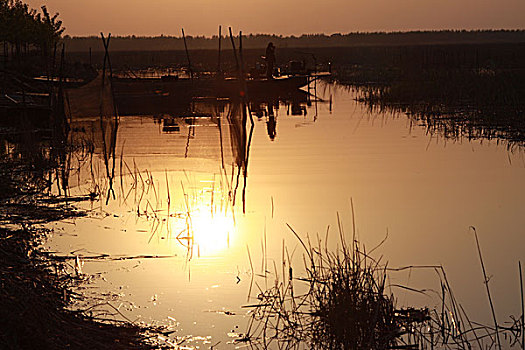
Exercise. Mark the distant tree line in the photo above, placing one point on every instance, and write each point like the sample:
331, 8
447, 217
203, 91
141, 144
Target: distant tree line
23, 29
166, 43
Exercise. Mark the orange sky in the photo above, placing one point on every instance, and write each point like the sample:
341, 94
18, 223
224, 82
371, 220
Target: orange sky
202, 17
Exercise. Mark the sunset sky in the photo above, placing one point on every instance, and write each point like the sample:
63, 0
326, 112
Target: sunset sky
202, 17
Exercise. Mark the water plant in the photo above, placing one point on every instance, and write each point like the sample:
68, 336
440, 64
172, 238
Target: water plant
342, 300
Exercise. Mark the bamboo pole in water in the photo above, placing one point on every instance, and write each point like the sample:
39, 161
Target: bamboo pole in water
241, 56
245, 111
234, 50
187, 54
6, 56
219, 56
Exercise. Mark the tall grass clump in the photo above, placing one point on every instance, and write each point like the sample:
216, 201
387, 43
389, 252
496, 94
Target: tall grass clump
343, 300
348, 304
340, 303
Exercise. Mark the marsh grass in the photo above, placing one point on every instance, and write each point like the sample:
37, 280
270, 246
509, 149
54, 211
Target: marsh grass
342, 299
458, 105
458, 91
476, 103
340, 303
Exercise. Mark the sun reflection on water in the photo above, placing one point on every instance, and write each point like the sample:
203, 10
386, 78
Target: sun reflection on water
211, 232
206, 226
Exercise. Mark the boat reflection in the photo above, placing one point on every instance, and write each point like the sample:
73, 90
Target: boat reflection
170, 125
268, 109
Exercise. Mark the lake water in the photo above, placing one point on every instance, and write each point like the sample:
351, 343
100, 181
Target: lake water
182, 246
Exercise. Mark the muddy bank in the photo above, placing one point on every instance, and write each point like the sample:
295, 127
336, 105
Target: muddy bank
34, 299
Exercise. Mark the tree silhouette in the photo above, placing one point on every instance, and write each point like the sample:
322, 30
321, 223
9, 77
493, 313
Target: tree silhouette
24, 28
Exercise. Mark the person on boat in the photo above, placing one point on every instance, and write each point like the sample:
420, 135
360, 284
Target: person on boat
270, 60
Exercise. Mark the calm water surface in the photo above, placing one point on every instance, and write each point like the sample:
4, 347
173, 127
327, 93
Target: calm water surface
420, 190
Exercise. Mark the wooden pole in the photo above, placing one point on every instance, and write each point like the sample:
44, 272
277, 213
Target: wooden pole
106, 57
105, 42
61, 69
242, 74
4, 81
103, 78
187, 54
6, 54
219, 71
234, 50
241, 56
54, 62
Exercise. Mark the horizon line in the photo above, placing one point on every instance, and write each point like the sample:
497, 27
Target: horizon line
282, 36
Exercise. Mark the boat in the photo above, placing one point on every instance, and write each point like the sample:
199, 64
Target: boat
200, 87
156, 95
145, 96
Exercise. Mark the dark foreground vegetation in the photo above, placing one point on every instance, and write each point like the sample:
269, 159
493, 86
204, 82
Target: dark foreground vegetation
36, 289
35, 294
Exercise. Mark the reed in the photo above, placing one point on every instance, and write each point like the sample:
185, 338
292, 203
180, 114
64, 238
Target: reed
344, 306
341, 300
470, 103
